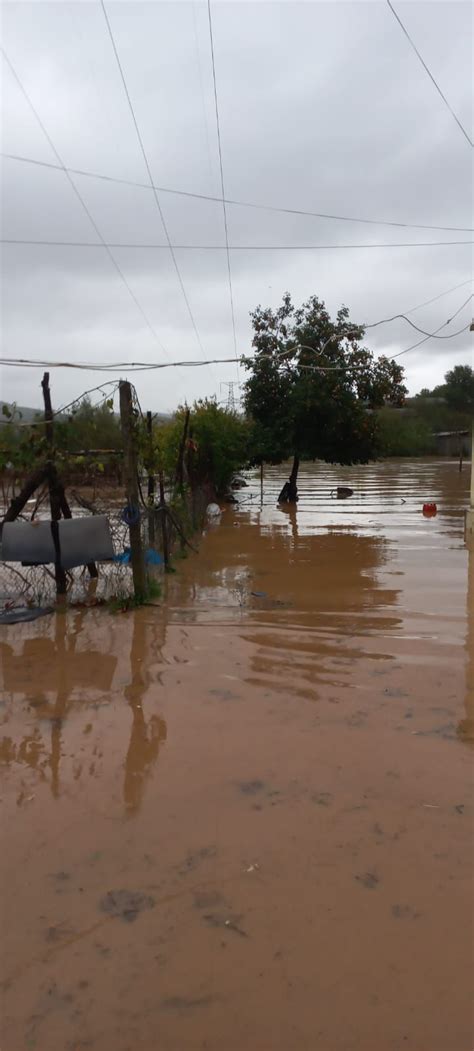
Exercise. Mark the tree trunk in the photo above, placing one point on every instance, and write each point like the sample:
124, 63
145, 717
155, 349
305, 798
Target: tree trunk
289, 493
293, 492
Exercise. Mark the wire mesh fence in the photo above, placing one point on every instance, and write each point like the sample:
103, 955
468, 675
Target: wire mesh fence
35, 585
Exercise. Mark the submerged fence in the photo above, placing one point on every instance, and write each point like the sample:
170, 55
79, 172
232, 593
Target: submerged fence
148, 517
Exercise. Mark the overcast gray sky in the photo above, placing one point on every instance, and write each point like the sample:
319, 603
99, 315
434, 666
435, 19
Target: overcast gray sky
323, 107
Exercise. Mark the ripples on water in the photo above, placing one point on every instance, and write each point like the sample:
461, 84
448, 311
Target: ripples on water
388, 500
317, 586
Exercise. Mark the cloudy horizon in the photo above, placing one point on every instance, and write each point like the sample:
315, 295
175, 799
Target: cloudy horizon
323, 107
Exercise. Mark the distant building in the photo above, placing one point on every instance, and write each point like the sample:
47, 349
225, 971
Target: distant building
451, 443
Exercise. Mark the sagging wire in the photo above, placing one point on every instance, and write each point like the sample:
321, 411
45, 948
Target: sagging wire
64, 408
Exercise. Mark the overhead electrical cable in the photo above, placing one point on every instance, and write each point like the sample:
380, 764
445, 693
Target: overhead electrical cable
428, 302
62, 167
141, 366
428, 71
148, 169
433, 334
221, 168
233, 201
230, 248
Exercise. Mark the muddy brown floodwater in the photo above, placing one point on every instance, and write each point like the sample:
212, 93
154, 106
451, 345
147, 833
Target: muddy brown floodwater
241, 821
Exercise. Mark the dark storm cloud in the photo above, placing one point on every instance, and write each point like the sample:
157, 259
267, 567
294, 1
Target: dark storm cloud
323, 107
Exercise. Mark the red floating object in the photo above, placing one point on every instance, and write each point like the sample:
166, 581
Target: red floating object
429, 510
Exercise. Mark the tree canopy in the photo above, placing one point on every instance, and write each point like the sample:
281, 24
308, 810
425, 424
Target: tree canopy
459, 388
312, 386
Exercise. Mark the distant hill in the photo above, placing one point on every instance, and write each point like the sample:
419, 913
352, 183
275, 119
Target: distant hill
28, 414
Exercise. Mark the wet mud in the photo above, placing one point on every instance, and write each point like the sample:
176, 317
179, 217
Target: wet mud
242, 821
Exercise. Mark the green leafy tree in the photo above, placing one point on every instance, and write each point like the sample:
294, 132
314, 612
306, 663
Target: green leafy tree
450, 405
312, 387
218, 443
216, 447
459, 389
402, 435
89, 427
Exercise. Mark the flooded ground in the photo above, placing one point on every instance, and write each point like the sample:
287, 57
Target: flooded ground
242, 821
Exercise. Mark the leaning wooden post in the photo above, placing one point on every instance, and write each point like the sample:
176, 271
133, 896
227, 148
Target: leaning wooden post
18, 502
130, 467
151, 482
54, 493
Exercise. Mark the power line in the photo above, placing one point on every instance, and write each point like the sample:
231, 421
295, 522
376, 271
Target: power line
233, 201
230, 248
58, 412
131, 366
431, 335
81, 200
140, 366
201, 85
440, 296
221, 167
85, 393
147, 166
425, 67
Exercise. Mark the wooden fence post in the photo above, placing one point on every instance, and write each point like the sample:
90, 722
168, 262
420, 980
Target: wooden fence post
57, 497
179, 478
54, 494
164, 524
151, 483
130, 462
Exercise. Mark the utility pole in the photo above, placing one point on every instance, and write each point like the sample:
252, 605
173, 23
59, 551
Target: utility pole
130, 463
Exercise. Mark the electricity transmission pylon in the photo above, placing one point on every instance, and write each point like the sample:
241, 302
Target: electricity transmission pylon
230, 394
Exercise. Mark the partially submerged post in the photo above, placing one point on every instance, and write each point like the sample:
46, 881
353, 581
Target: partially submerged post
164, 524
151, 482
130, 463
182, 449
53, 485
57, 495
461, 450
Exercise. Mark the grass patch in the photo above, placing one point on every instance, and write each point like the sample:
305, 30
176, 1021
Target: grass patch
124, 601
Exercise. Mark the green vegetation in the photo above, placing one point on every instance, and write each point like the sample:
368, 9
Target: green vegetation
216, 446
403, 435
457, 390
123, 601
89, 427
219, 444
448, 407
312, 388
343, 412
